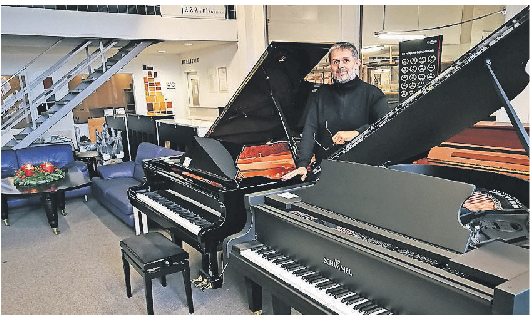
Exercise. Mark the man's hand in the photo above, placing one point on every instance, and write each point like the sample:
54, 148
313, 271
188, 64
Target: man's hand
299, 171
342, 136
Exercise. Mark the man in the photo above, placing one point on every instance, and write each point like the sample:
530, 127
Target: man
337, 113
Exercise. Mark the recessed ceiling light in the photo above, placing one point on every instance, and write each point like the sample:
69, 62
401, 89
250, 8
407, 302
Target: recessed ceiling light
398, 36
187, 44
161, 51
372, 48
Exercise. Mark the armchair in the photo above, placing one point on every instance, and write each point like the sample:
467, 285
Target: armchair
111, 185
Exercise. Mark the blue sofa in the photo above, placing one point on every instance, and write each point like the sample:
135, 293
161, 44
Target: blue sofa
111, 185
59, 155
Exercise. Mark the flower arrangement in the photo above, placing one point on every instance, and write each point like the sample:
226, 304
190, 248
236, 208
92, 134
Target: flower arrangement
43, 173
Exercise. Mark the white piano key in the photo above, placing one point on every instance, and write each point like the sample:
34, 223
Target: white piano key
310, 289
194, 228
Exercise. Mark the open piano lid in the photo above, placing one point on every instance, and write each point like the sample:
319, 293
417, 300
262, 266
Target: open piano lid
458, 98
267, 107
270, 102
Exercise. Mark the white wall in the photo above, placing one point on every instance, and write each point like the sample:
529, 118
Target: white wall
314, 23
521, 103
167, 68
207, 70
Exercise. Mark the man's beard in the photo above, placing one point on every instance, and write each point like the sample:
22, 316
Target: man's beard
344, 78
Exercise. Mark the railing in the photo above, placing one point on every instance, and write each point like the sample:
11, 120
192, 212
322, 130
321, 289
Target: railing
20, 105
127, 9
230, 12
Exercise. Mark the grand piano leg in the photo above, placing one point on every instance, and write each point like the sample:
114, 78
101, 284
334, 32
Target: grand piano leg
279, 307
175, 239
273, 305
61, 201
4, 210
49, 200
254, 294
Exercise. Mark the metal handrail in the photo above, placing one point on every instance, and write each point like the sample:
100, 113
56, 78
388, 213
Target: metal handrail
32, 61
23, 108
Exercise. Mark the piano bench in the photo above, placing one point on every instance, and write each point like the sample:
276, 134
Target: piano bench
152, 255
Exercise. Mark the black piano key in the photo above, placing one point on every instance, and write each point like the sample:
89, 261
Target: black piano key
374, 310
342, 294
325, 284
290, 266
350, 298
362, 305
317, 279
335, 290
355, 300
273, 256
265, 251
369, 308
280, 260
261, 246
302, 272
308, 278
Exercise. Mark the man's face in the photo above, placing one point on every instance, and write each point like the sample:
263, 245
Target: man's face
343, 65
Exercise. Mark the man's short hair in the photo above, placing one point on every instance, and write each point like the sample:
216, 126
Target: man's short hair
344, 46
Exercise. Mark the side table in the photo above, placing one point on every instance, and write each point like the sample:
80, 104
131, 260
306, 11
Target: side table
52, 194
89, 157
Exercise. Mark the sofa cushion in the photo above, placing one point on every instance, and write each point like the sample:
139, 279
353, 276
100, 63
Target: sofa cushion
117, 170
58, 155
114, 191
9, 163
147, 151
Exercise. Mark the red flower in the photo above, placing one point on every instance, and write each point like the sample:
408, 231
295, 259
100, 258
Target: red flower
29, 173
22, 177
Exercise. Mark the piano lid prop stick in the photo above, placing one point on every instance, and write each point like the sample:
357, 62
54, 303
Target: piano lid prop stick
520, 130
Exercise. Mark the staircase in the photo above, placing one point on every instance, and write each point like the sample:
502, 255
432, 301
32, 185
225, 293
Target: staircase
20, 106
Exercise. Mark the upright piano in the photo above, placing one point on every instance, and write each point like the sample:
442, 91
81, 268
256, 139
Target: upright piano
376, 234
199, 196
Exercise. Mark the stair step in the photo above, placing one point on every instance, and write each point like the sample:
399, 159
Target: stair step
95, 74
12, 143
56, 107
48, 119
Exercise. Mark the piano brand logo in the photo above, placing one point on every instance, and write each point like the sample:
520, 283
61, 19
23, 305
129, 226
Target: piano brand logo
337, 265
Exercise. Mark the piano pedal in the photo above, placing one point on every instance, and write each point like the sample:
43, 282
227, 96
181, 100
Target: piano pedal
197, 281
258, 312
207, 285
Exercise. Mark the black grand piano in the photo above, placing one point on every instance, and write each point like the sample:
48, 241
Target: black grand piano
199, 196
376, 234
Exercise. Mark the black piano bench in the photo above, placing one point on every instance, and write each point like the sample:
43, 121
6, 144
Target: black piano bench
155, 256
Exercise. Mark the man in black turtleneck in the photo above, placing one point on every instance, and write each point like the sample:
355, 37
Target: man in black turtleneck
337, 113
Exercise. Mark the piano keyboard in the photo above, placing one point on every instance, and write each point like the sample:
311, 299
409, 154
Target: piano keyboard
189, 220
323, 290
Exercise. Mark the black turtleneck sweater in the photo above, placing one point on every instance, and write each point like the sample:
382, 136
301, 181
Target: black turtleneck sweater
338, 107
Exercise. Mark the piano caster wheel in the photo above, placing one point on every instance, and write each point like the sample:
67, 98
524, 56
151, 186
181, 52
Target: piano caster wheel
63, 212
6, 222
258, 312
56, 231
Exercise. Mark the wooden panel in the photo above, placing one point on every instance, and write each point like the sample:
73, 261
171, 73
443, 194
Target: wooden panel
486, 146
489, 134
110, 95
95, 124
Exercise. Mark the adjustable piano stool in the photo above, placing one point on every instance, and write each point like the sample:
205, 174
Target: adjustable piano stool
154, 256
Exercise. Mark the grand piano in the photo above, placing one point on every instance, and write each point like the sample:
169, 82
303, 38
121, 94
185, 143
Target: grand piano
376, 234
199, 196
